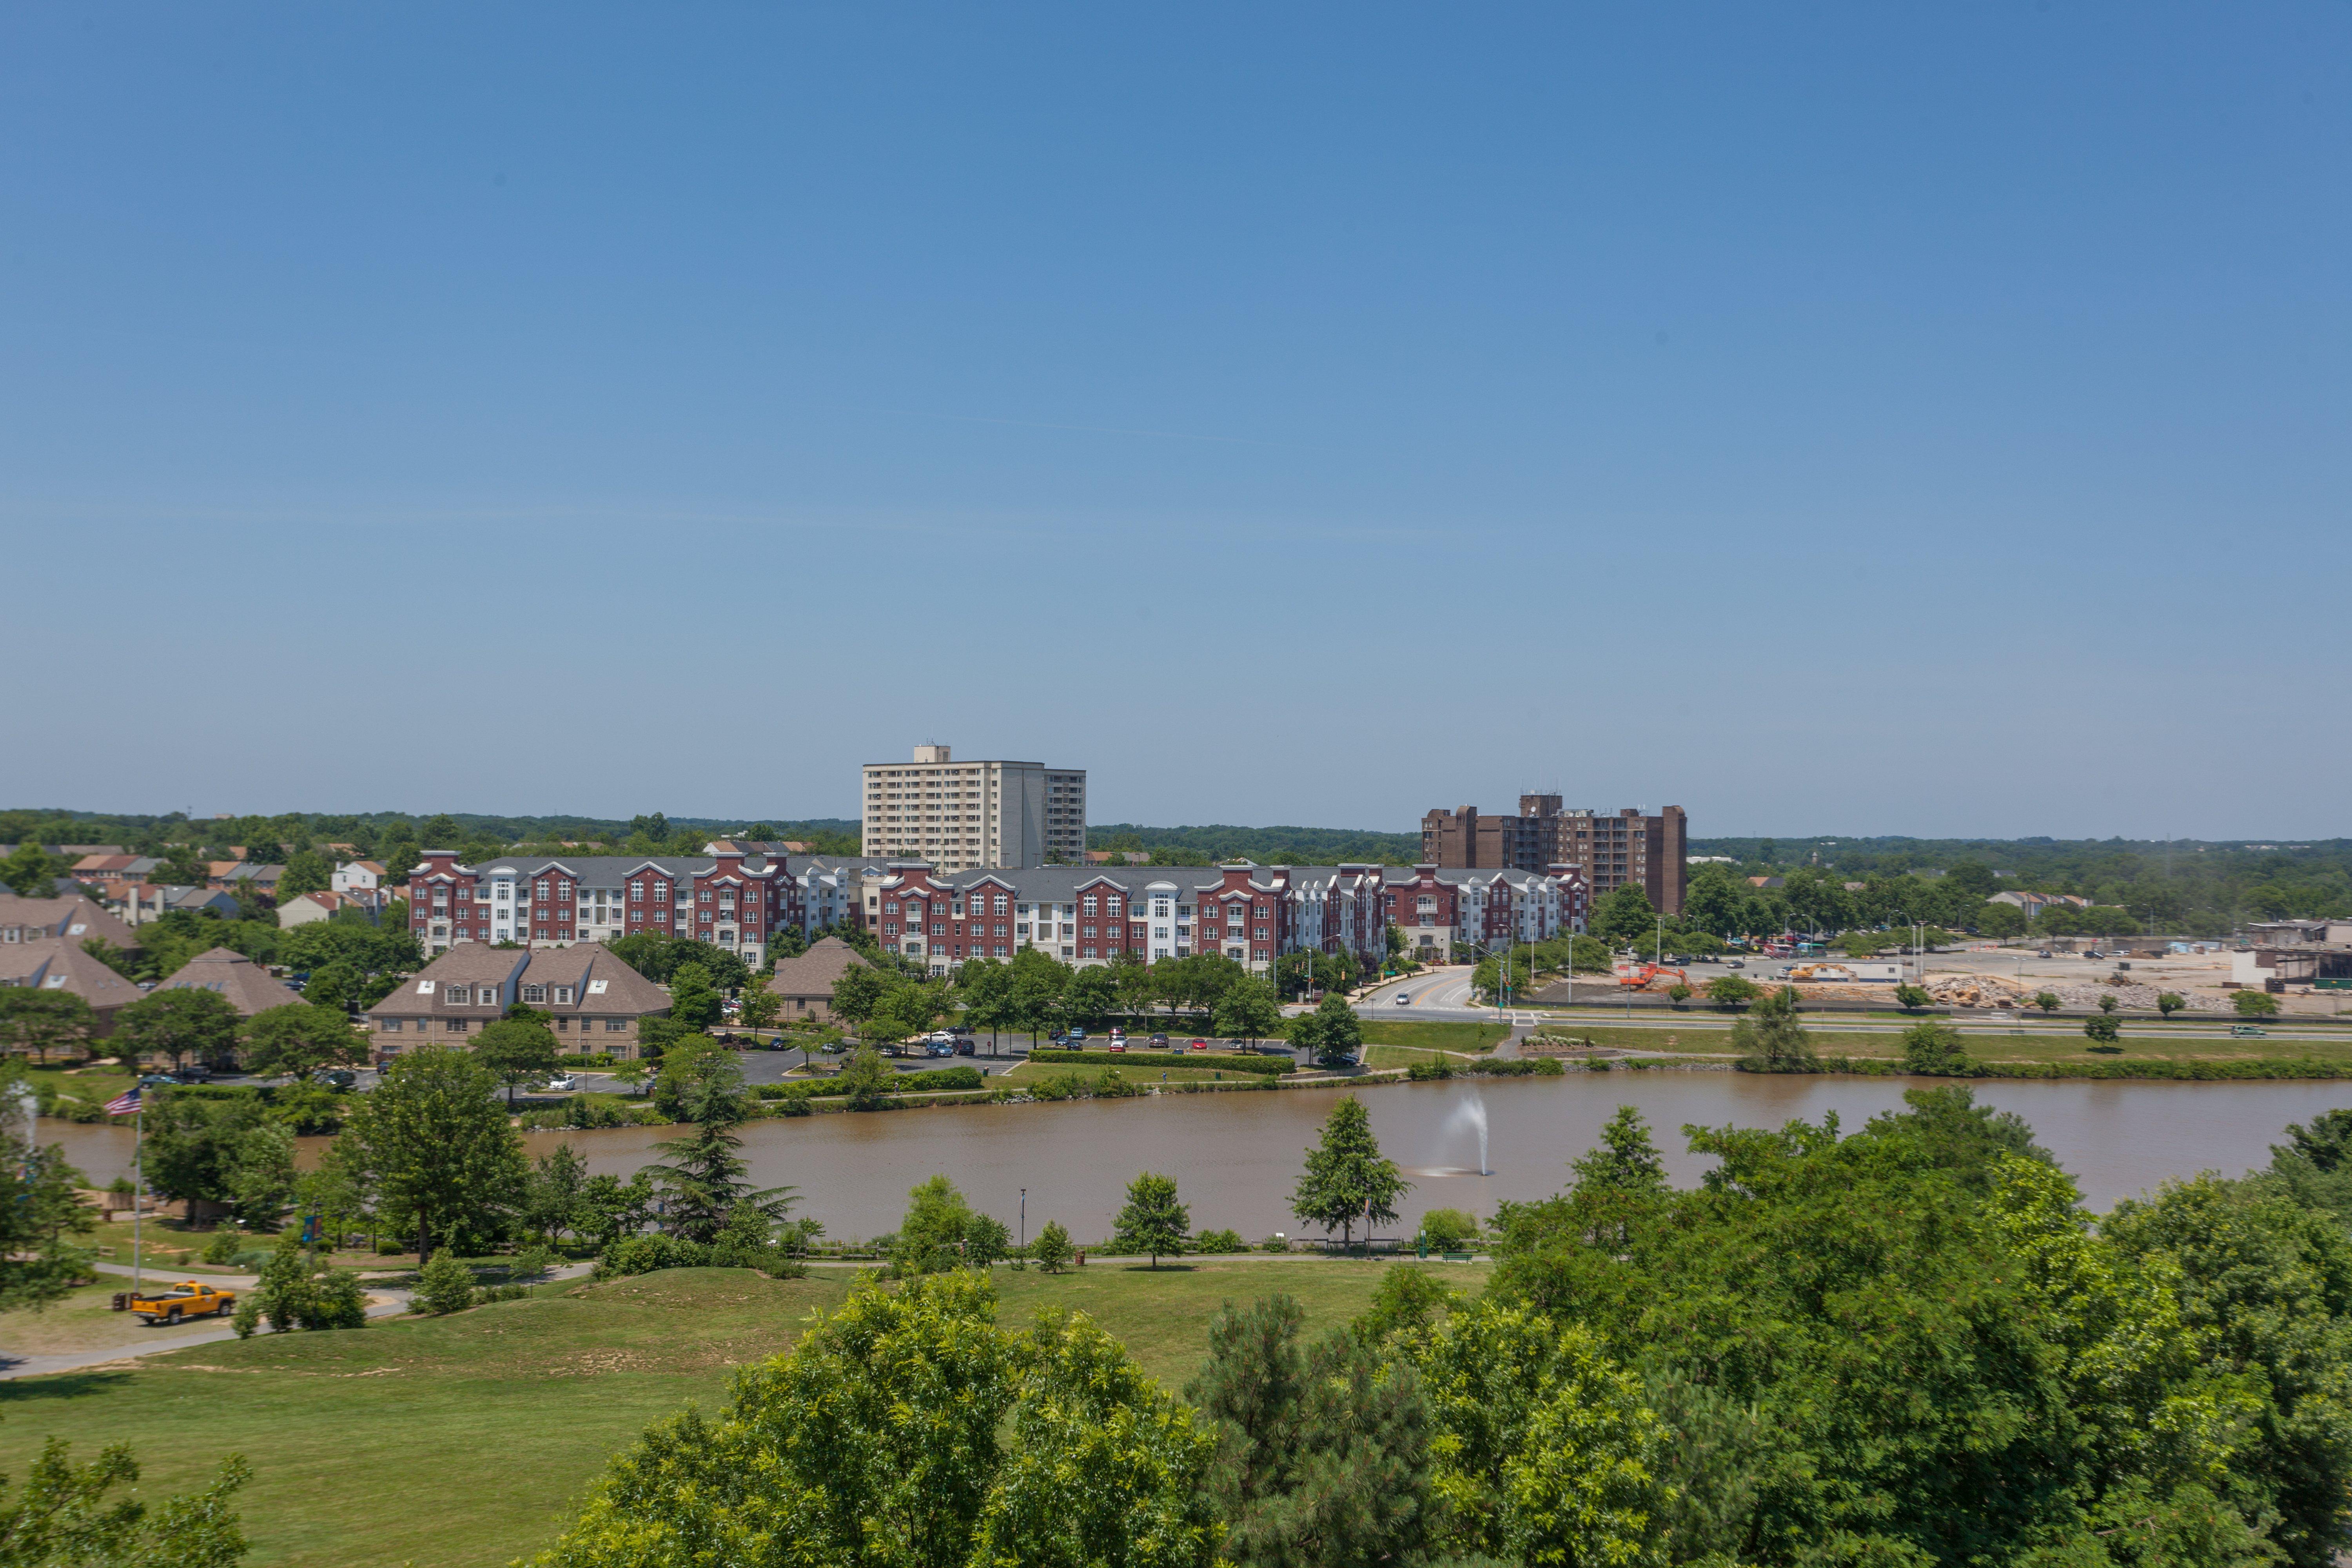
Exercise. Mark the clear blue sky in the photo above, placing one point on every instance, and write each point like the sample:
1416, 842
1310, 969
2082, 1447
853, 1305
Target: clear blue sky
1289, 414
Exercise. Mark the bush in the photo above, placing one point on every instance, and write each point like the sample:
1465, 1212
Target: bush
333, 1302
248, 1315
1429, 1071
1273, 1067
223, 1247
2256, 1005
1052, 1249
645, 1254
443, 1286
2046, 1000
2103, 1030
1449, 1230
1219, 1241
1273, 1244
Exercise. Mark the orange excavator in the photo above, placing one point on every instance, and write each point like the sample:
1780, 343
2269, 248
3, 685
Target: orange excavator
1638, 976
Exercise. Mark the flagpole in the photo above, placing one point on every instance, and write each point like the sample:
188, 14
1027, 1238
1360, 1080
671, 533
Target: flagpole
138, 1186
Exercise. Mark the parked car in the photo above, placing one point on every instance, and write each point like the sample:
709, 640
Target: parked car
1160, 1042
1076, 1039
188, 1299
1056, 1037
966, 1046
1197, 1046
340, 1077
1118, 1043
156, 1080
1118, 1035
196, 1072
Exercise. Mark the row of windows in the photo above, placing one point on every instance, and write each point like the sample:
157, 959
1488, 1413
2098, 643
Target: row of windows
465, 1026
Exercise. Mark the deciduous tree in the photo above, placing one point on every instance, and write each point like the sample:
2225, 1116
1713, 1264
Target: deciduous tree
439, 1148
1152, 1220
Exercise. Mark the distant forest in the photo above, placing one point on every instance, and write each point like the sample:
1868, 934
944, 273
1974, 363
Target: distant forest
1267, 846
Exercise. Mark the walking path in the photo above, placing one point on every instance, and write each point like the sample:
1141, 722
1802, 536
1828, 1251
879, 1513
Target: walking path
384, 1302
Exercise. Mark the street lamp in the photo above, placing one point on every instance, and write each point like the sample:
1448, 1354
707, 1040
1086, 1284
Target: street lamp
1025, 1218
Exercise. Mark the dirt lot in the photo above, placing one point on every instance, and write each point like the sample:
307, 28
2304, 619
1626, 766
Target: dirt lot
2079, 981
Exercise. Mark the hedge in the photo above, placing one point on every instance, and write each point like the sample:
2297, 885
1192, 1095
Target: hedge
1273, 1067
2151, 1068
904, 1083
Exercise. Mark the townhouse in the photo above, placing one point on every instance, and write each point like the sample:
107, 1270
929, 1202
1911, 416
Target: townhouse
1252, 914
62, 963
74, 919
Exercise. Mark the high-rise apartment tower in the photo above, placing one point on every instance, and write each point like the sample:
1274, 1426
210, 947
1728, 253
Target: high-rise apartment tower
1648, 852
967, 817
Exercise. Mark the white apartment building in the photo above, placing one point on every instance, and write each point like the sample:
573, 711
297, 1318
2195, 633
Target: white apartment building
973, 816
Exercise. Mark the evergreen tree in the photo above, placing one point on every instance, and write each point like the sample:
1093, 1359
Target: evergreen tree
1323, 1456
702, 1181
1347, 1180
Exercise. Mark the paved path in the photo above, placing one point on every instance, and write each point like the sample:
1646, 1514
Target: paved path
385, 1302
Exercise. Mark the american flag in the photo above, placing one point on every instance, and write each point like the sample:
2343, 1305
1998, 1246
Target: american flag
123, 1104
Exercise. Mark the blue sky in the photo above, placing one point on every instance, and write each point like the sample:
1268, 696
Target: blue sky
1857, 419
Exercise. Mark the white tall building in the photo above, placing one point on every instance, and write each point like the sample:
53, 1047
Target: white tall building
970, 817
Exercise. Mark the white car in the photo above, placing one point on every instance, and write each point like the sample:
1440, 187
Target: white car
563, 1083
1404, 999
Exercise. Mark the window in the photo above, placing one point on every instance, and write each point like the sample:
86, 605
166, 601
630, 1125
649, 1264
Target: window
389, 1026
704, 895
542, 886
456, 1025
564, 993
1088, 903
456, 996
637, 891
535, 993
616, 1026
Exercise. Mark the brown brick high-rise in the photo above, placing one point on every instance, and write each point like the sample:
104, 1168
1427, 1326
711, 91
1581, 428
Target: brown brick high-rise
1651, 853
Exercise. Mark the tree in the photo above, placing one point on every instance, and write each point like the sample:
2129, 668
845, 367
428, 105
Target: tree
1732, 990
2001, 922
551, 1204
2170, 1002
1323, 1454
38, 1260
440, 832
443, 1286
865, 1078
2107, 1003
693, 1001
219, 1155
2255, 1005
63, 1517
986, 1238
1337, 1033
440, 1149
1769, 1038
45, 1021
519, 1050
2103, 1030
857, 994
306, 871
1625, 1160
761, 1006
1549, 1451
2046, 1000
1052, 1249
907, 1429
177, 1024
1622, 916
1038, 982
931, 1238
702, 1180
988, 1000
300, 1038
1091, 993
1248, 1011
1346, 1179
1931, 1045
908, 1008
1152, 1221
1911, 998
31, 871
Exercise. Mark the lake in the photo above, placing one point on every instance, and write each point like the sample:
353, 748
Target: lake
1237, 1156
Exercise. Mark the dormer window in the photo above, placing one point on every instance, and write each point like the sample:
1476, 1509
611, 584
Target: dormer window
534, 992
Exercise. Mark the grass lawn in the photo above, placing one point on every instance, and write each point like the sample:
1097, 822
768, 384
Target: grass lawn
1446, 1036
468, 1439
93, 1086
1143, 1069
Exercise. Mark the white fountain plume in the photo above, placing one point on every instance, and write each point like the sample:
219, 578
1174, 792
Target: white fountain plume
1469, 1116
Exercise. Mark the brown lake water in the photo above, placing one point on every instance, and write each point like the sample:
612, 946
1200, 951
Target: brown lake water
1237, 1156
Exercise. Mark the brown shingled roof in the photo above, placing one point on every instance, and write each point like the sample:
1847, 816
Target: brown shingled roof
814, 972
59, 963
75, 920
249, 988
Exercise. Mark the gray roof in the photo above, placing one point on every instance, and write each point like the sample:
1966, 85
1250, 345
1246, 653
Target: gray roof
249, 988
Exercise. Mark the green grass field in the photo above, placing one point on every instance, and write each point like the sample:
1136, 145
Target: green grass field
1144, 1070
1446, 1036
468, 1439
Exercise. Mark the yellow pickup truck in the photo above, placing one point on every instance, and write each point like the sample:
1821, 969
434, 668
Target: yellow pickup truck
188, 1299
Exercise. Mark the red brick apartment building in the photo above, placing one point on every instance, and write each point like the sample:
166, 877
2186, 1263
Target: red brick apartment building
1624, 848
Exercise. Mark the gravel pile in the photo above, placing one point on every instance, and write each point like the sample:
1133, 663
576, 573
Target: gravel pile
2138, 997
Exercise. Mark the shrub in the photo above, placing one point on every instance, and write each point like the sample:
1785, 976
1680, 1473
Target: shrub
1429, 1071
224, 1245
645, 1254
1549, 1066
1219, 1241
443, 1286
2256, 1004
248, 1315
1275, 1244
333, 1302
1052, 1249
2170, 1002
2103, 1030
1273, 1067
532, 1262
2046, 1000
1449, 1230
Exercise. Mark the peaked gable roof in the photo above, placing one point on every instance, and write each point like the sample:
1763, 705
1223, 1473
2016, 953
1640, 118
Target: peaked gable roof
249, 988
814, 972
